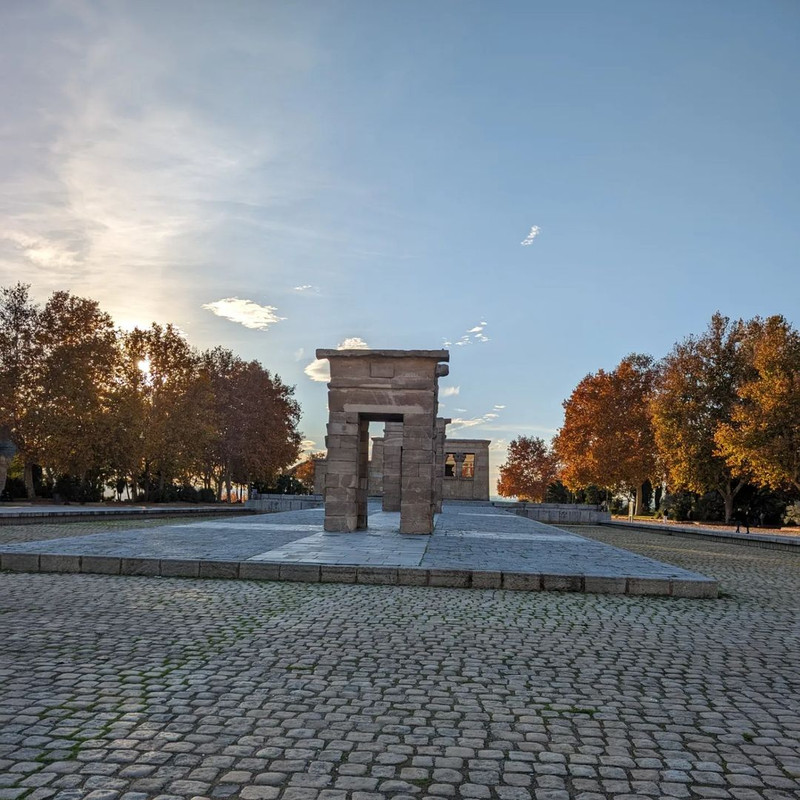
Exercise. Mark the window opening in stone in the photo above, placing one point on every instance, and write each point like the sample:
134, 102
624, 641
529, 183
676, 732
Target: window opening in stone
450, 466
468, 468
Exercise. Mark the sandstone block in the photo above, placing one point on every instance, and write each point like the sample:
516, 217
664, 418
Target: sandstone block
259, 571
522, 581
219, 569
19, 562
50, 562
303, 573
101, 565
180, 567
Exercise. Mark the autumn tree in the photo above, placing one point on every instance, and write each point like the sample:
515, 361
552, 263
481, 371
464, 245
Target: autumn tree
607, 437
18, 358
696, 393
304, 471
531, 467
762, 437
76, 359
157, 425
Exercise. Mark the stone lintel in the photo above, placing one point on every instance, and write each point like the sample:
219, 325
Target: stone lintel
439, 355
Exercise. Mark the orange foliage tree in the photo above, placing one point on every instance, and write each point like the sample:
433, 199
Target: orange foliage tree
696, 393
607, 437
762, 437
531, 467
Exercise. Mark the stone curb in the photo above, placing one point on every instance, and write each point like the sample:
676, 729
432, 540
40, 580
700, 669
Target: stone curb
372, 575
764, 541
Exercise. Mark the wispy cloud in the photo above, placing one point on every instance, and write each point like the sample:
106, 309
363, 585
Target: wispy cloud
40, 252
299, 353
499, 407
118, 176
528, 240
449, 391
474, 334
320, 369
471, 422
304, 288
245, 312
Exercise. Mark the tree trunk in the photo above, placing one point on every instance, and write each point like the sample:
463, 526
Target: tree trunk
729, 493
639, 494
228, 483
30, 490
3, 473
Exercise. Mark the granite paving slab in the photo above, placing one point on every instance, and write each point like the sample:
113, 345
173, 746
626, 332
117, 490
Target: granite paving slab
487, 548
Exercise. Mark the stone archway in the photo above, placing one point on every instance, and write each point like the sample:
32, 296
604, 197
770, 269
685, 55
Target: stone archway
399, 387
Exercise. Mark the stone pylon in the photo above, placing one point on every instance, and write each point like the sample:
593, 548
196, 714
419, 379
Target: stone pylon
392, 386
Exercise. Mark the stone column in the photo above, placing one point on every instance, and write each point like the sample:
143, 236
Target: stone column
319, 475
376, 468
392, 465
341, 472
362, 492
481, 488
438, 473
416, 498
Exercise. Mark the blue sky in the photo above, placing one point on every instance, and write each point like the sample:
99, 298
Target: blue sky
369, 170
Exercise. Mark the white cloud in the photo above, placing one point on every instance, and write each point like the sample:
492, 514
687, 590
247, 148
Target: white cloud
528, 240
307, 446
458, 422
471, 422
40, 252
304, 288
474, 334
353, 343
498, 407
449, 391
299, 353
245, 312
121, 181
460, 410
320, 369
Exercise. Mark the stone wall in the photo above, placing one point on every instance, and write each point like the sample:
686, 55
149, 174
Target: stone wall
460, 486
284, 502
558, 513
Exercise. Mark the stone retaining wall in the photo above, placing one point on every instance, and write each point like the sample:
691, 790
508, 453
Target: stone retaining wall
558, 513
284, 502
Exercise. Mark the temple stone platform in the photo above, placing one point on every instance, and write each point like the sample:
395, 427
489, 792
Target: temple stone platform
471, 546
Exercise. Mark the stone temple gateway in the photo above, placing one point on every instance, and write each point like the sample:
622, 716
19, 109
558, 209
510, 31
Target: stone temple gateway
392, 386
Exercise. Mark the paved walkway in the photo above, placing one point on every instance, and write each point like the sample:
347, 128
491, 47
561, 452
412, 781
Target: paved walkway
477, 546
126, 688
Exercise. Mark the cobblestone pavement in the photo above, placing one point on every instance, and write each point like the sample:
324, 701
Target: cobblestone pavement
134, 688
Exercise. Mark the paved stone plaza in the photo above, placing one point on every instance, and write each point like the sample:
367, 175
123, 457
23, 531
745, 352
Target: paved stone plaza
472, 545
131, 688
